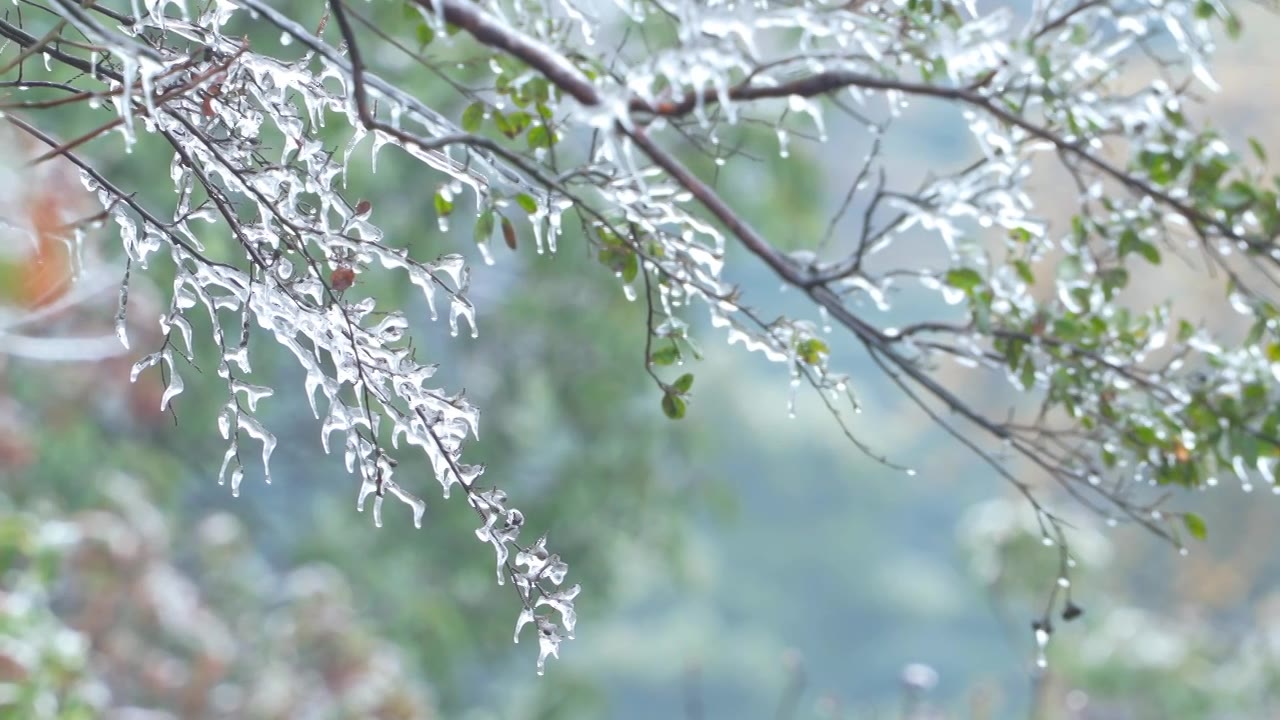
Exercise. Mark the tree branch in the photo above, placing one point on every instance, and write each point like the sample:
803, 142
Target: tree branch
560, 71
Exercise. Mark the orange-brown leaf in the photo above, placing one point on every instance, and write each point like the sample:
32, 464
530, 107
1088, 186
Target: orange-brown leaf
509, 233
342, 278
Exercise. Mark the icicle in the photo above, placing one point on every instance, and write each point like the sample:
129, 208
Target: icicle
122, 332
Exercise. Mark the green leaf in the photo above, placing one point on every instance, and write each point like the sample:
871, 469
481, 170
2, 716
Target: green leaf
425, 35
1131, 243
1268, 209
665, 355
1067, 329
1205, 176
673, 405
630, 267
1113, 279
539, 89
1128, 242
1150, 252
1013, 353
1195, 526
1235, 197
1163, 167
612, 258
484, 226
1020, 235
982, 311
1254, 397
527, 203
519, 120
621, 260
444, 205
1028, 375
512, 124
1258, 150
938, 68
1246, 446
1255, 332
1144, 436
683, 383
1044, 66
1082, 296
965, 279
539, 137
504, 125
812, 350
1078, 229
472, 117
1024, 271
608, 237
1233, 26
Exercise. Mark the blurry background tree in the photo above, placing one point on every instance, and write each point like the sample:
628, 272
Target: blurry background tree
1087, 381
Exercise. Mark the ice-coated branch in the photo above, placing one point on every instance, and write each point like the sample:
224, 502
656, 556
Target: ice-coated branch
592, 116
489, 31
559, 70
301, 245
990, 91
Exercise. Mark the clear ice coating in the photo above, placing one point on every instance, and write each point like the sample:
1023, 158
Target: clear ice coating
296, 230
728, 66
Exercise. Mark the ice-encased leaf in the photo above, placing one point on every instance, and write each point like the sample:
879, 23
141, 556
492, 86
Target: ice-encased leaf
175, 386
252, 393
526, 616
562, 602
416, 504
549, 640
122, 306
146, 362
254, 429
